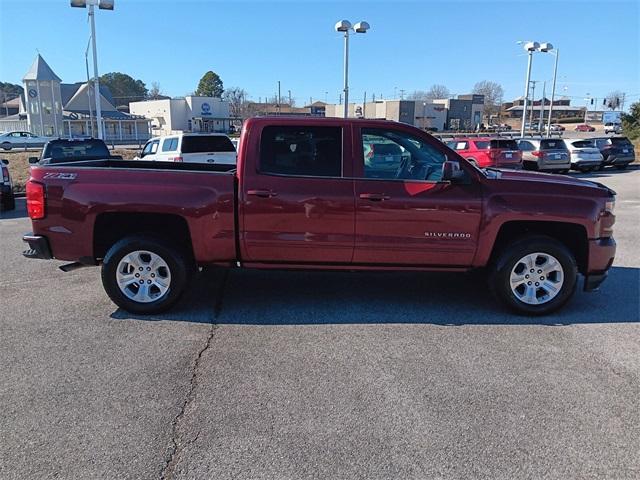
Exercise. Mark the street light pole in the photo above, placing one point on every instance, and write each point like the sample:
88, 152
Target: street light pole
553, 92
96, 81
346, 73
345, 27
530, 47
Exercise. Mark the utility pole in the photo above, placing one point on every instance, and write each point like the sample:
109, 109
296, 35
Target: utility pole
96, 80
553, 93
374, 98
402, 94
290, 98
364, 106
533, 103
540, 127
278, 97
339, 99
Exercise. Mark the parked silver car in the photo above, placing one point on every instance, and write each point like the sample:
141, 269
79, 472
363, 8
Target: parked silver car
584, 155
545, 154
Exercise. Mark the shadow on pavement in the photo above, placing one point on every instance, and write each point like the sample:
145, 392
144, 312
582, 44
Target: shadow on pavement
252, 297
19, 212
198, 305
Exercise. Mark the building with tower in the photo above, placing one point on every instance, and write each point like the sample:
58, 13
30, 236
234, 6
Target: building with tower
51, 108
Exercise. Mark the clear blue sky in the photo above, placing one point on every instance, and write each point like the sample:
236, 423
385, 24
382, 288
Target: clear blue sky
411, 45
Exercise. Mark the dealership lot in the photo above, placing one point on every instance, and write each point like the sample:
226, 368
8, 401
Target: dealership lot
319, 375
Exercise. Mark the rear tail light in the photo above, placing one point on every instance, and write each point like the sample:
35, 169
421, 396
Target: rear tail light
537, 153
35, 200
176, 159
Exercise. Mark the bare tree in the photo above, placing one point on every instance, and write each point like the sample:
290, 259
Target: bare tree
236, 97
417, 95
493, 96
613, 100
437, 92
155, 91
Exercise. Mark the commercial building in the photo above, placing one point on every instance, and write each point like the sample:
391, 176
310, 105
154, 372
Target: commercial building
426, 114
463, 113
188, 114
55, 109
562, 108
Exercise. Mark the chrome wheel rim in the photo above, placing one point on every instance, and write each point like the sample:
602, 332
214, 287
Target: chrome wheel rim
536, 278
143, 276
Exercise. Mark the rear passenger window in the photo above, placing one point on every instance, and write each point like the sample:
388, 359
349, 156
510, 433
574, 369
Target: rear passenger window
482, 145
305, 151
170, 144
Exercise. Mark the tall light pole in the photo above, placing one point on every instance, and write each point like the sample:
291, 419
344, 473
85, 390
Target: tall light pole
553, 90
345, 27
530, 47
102, 5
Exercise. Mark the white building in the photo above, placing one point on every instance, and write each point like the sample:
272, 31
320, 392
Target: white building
54, 109
189, 114
422, 114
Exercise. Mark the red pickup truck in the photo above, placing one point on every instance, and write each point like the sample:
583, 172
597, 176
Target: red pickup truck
309, 194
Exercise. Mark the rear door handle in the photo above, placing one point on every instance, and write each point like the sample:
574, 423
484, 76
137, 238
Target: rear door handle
262, 193
374, 197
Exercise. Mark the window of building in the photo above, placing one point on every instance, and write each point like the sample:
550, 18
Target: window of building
34, 107
48, 130
46, 108
390, 154
303, 151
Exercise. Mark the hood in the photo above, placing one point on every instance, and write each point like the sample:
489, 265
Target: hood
534, 180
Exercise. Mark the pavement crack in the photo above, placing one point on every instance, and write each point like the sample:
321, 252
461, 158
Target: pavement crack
172, 455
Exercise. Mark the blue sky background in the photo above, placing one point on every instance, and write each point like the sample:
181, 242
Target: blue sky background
411, 45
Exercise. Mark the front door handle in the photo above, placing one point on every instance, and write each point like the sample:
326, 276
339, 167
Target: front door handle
262, 193
374, 197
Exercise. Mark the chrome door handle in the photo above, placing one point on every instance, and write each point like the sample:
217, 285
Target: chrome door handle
262, 193
374, 197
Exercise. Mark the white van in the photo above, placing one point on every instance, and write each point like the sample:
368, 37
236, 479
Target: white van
190, 147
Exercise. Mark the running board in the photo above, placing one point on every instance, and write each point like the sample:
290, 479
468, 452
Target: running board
69, 267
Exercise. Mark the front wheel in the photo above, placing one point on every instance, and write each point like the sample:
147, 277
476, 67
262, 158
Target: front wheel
536, 275
144, 275
6, 146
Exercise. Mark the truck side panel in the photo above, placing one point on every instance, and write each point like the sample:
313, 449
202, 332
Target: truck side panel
76, 196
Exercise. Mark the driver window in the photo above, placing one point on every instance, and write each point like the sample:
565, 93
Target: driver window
397, 155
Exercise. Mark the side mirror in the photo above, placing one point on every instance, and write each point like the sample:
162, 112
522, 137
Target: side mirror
5, 162
451, 171
33, 160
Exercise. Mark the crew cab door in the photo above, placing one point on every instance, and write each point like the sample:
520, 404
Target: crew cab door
405, 214
296, 203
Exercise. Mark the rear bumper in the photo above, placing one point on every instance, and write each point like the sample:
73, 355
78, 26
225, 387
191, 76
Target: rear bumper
38, 247
619, 159
601, 254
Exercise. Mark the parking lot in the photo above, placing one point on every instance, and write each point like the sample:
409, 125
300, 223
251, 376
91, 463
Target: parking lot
319, 375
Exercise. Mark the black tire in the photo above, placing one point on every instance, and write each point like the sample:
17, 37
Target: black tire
501, 268
176, 260
621, 167
6, 146
8, 203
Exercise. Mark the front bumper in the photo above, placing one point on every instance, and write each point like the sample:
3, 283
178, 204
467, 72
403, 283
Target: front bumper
38, 247
601, 254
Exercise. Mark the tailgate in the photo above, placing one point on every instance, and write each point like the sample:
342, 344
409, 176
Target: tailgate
221, 158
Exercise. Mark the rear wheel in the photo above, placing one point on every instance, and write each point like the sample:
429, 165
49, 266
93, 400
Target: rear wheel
144, 275
6, 146
534, 276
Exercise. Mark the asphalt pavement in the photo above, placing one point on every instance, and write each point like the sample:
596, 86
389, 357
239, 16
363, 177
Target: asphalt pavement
295, 375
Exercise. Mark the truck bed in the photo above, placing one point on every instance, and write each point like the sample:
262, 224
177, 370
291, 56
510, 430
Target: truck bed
88, 202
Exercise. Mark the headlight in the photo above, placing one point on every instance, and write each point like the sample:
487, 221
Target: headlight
609, 205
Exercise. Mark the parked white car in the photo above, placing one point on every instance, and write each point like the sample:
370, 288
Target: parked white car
585, 156
9, 140
190, 147
612, 128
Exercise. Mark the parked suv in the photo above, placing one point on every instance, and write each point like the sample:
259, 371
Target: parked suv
584, 155
617, 151
190, 147
488, 152
7, 200
548, 154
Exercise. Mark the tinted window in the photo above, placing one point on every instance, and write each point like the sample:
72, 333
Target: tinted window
504, 144
482, 145
582, 144
170, 144
307, 151
457, 145
397, 155
526, 146
620, 141
206, 143
60, 151
551, 144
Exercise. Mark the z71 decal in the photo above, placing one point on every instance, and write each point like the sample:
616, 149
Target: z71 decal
60, 176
